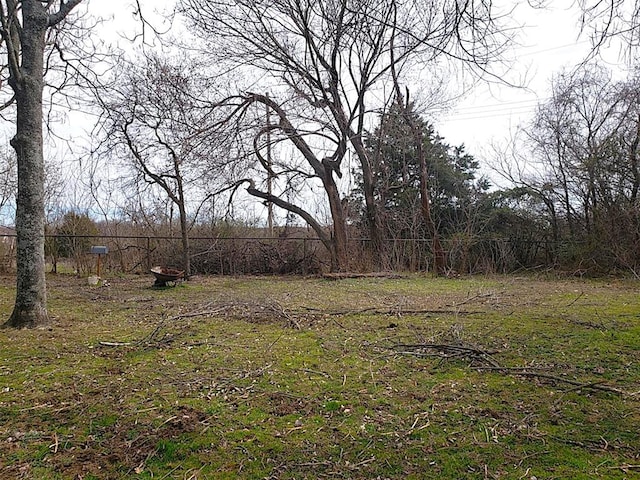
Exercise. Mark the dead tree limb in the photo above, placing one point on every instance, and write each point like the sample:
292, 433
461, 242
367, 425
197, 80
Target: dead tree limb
525, 372
486, 362
446, 351
391, 311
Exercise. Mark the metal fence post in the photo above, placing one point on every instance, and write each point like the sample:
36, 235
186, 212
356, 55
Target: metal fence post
148, 253
304, 256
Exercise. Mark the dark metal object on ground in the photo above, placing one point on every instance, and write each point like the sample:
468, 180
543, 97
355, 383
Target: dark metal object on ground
165, 275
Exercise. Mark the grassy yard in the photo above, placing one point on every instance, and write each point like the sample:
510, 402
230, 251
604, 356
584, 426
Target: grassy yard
283, 378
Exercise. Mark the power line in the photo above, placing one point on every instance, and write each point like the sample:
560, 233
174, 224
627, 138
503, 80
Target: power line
480, 116
502, 112
469, 119
551, 49
501, 105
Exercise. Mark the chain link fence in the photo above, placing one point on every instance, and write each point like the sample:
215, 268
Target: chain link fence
307, 255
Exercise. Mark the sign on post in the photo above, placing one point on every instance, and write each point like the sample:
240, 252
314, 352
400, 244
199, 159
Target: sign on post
99, 250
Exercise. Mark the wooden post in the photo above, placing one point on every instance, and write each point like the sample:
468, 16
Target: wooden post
99, 250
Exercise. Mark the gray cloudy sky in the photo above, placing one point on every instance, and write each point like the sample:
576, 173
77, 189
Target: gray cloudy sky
551, 41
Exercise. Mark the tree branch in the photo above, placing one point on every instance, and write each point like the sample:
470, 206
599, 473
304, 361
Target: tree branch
63, 11
325, 238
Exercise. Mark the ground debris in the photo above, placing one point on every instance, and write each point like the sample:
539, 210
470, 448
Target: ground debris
347, 275
483, 360
446, 351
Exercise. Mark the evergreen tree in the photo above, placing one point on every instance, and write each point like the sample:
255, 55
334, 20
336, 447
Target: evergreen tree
453, 185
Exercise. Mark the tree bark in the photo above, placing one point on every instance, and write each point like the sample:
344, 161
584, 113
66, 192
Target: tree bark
184, 231
30, 308
439, 256
368, 181
25, 47
339, 245
371, 208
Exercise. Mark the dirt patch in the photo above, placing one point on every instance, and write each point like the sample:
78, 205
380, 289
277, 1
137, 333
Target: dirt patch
125, 446
281, 404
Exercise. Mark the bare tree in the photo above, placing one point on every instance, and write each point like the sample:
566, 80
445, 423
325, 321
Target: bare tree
329, 64
24, 28
417, 133
578, 134
156, 118
604, 20
581, 151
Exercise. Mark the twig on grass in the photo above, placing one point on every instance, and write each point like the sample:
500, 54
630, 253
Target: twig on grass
446, 351
152, 337
115, 344
625, 467
280, 310
471, 299
575, 299
488, 363
525, 372
55, 443
395, 312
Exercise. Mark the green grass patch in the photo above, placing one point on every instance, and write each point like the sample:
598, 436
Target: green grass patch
286, 377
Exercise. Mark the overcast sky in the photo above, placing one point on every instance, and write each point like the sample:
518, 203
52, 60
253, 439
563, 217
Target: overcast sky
550, 42
487, 113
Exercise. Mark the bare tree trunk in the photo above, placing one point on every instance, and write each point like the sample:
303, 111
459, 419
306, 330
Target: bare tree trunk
439, 256
30, 308
330, 242
339, 245
182, 211
24, 46
184, 232
368, 183
371, 208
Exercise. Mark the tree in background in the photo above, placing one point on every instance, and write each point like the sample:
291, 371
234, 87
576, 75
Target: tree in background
582, 166
156, 120
72, 240
24, 28
451, 183
614, 18
327, 65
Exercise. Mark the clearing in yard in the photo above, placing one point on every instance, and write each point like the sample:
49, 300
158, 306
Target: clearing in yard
271, 377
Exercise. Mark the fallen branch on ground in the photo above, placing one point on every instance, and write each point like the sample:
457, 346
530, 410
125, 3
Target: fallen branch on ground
472, 299
391, 311
625, 468
346, 275
485, 362
115, 344
446, 351
234, 309
525, 372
